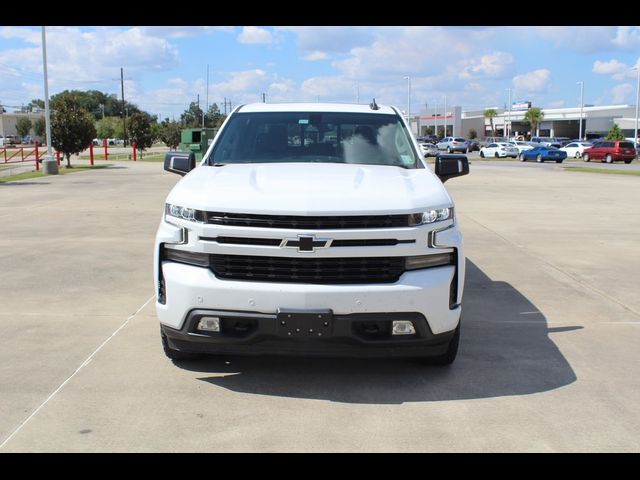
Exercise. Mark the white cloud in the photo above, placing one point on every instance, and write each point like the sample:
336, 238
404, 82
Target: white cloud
492, 65
532, 82
609, 68
622, 93
627, 38
315, 56
255, 35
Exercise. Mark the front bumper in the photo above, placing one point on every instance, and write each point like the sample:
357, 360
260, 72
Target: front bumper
354, 335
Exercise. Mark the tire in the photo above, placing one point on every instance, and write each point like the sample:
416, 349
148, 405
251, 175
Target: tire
539, 158
176, 354
521, 157
558, 161
586, 157
577, 155
449, 356
608, 158
481, 154
627, 161
496, 155
448, 149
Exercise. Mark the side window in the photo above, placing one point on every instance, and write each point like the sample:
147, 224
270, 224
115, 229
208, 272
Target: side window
571, 145
492, 145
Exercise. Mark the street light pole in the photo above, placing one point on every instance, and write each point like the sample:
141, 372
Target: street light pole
435, 116
581, 83
408, 100
635, 134
508, 129
49, 165
445, 115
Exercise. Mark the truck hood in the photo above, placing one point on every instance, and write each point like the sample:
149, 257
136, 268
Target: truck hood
309, 189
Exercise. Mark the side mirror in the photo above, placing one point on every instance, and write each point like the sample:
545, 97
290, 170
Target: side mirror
179, 162
450, 166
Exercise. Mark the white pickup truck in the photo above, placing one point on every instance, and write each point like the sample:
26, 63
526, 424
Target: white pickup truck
311, 229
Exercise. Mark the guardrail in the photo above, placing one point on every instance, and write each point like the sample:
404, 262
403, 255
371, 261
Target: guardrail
25, 154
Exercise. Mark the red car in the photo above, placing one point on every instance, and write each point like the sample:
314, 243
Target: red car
610, 151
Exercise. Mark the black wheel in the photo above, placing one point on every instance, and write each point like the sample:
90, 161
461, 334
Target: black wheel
608, 159
481, 154
577, 155
558, 161
176, 354
539, 158
521, 157
448, 149
627, 161
586, 157
496, 155
449, 356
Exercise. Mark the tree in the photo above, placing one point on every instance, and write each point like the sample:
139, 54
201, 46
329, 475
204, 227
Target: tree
40, 128
94, 101
170, 134
192, 117
35, 103
533, 117
72, 127
490, 113
428, 131
140, 131
23, 126
440, 131
615, 133
473, 134
213, 118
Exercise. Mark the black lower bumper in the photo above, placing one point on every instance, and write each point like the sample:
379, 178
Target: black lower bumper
318, 333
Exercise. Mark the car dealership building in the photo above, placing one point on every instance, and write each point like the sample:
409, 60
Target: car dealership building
557, 122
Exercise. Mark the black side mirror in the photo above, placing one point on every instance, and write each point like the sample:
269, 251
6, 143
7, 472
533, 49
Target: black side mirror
450, 166
179, 162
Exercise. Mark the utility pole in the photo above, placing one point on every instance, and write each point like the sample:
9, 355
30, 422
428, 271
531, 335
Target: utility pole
635, 133
49, 165
581, 83
435, 115
124, 113
225, 106
207, 105
508, 129
358, 93
264, 100
445, 115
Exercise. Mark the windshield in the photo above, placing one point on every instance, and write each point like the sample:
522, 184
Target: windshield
272, 137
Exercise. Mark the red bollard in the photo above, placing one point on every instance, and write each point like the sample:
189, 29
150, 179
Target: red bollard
135, 149
91, 153
58, 157
106, 154
37, 158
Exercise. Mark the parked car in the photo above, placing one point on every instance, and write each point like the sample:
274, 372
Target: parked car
488, 140
542, 153
27, 140
11, 140
501, 149
473, 145
221, 288
453, 144
547, 141
611, 151
521, 145
563, 141
575, 149
429, 149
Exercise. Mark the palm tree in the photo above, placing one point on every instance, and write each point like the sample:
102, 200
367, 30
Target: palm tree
490, 113
533, 117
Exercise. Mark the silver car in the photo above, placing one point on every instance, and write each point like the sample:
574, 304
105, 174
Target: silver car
429, 149
453, 144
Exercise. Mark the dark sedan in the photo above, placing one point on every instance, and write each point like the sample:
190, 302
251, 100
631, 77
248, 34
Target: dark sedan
542, 154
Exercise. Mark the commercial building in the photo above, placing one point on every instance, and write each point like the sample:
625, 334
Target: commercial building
8, 122
557, 122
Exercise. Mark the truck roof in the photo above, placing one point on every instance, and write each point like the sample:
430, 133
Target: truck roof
315, 107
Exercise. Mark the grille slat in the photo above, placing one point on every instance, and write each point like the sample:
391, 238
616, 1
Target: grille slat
308, 270
307, 222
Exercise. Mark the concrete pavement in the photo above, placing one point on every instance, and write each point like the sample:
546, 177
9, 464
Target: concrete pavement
548, 355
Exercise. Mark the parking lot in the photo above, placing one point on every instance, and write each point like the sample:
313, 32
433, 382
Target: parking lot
548, 355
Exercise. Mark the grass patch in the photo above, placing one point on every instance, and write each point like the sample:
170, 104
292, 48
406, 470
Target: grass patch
603, 170
39, 174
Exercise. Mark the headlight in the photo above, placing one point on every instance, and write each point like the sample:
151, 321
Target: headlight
185, 213
431, 216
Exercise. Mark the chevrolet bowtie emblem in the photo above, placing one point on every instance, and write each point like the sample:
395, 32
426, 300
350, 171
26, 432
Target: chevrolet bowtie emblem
306, 243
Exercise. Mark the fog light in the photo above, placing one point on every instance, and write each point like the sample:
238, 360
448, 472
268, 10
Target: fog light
209, 324
403, 327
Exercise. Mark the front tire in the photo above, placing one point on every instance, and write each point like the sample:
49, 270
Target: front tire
521, 157
608, 159
481, 154
539, 159
586, 157
176, 354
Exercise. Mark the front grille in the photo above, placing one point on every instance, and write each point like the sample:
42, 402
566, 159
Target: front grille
275, 242
306, 222
326, 271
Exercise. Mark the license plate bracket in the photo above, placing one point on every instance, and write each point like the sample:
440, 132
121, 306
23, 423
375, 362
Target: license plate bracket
317, 324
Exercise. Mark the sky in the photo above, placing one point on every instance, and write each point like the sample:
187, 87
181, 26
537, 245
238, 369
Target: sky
165, 68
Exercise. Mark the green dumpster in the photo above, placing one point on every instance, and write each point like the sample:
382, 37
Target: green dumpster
197, 140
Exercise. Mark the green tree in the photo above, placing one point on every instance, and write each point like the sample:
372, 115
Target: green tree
615, 133
490, 113
72, 127
473, 134
214, 118
140, 132
40, 128
533, 117
428, 131
35, 103
94, 101
440, 131
192, 117
23, 126
170, 134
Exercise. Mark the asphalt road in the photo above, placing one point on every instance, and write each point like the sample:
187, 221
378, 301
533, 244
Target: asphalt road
548, 357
